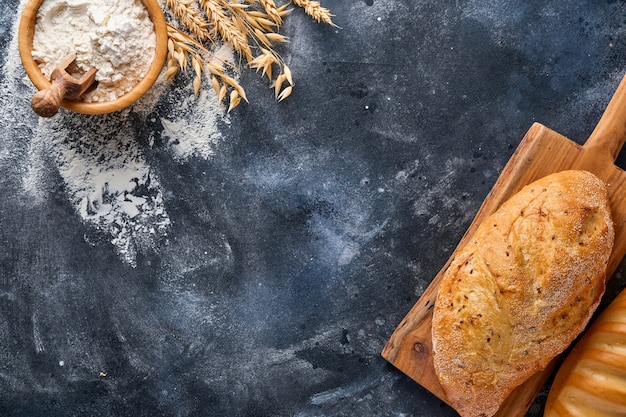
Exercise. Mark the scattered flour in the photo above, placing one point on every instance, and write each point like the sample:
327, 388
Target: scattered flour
110, 183
105, 173
194, 135
114, 36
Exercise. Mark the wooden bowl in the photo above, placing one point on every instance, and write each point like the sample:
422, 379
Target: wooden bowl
25, 43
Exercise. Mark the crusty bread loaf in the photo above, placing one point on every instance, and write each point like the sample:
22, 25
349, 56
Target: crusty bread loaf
521, 290
592, 380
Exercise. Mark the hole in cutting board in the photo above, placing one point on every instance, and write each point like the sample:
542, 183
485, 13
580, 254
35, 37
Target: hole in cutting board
621, 159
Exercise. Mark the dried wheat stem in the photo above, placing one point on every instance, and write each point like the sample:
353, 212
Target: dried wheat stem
272, 11
281, 92
234, 100
225, 27
315, 10
265, 61
253, 22
250, 26
180, 46
284, 10
185, 41
197, 64
190, 17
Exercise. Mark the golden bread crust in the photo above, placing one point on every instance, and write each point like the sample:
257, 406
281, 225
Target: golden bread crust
522, 289
592, 380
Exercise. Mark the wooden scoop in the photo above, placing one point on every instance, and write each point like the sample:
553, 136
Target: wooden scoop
541, 152
46, 102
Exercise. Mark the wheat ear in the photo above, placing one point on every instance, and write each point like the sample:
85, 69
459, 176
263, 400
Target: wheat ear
250, 26
190, 17
315, 10
225, 27
181, 47
272, 11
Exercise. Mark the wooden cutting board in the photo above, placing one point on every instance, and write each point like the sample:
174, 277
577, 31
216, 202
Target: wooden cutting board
541, 152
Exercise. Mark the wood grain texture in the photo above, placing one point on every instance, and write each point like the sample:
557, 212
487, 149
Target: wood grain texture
542, 151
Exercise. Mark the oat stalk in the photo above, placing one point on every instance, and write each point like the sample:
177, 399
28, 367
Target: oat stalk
252, 27
182, 49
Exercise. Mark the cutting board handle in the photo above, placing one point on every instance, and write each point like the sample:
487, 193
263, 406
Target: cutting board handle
610, 133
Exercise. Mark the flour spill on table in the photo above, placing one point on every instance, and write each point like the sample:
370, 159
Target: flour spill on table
436, 196
192, 125
100, 159
110, 183
192, 132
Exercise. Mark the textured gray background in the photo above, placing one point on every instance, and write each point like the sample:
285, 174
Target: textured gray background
294, 249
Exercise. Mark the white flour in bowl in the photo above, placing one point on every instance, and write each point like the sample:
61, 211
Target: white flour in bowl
114, 36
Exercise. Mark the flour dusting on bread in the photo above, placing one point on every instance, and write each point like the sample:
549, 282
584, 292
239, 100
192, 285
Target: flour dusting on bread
522, 289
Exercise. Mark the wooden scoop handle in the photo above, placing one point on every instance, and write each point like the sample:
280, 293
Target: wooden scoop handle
46, 102
609, 135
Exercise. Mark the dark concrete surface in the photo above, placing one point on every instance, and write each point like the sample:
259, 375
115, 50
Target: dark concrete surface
262, 273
